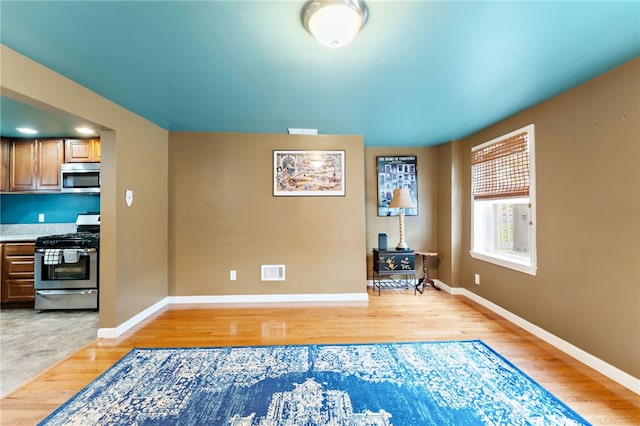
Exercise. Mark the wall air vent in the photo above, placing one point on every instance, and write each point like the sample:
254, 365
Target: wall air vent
272, 273
293, 131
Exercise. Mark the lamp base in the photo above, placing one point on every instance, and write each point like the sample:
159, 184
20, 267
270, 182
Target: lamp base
402, 245
403, 248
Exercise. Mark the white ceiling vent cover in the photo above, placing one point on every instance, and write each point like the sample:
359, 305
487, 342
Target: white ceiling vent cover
272, 273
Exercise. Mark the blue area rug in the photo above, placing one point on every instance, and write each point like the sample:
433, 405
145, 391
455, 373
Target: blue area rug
426, 383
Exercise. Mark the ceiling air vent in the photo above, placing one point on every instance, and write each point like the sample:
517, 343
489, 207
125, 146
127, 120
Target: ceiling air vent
272, 273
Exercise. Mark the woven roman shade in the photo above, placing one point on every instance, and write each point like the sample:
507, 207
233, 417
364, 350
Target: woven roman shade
501, 169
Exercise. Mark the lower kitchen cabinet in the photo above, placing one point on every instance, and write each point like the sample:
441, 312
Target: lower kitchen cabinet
17, 272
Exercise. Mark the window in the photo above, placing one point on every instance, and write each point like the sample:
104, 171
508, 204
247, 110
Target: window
503, 201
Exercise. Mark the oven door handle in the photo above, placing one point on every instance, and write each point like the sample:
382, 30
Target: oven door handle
65, 292
81, 251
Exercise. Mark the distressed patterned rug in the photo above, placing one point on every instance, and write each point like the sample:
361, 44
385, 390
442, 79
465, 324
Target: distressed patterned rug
426, 383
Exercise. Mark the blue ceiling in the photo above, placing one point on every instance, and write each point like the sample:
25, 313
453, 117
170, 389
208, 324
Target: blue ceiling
420, 73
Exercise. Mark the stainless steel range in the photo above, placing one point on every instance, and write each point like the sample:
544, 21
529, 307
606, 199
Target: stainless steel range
66, 267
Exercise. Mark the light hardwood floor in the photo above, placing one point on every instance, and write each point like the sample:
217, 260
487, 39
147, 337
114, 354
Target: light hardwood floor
397, 315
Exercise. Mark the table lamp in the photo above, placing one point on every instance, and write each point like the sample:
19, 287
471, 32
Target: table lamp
401, 200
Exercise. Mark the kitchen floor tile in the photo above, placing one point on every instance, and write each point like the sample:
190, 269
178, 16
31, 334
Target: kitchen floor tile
31, 341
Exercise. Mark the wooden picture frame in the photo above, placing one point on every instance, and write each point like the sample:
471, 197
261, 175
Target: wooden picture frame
308, 173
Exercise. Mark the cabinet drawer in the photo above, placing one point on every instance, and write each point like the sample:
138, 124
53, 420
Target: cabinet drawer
18, 291
396, 263
18, 267
17, 273
19, 249
393, 261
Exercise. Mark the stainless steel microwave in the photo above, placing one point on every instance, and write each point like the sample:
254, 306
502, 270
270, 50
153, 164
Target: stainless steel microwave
80, 177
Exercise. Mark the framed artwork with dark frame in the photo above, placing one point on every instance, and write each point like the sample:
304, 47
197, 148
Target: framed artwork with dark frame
308, 173
396, 172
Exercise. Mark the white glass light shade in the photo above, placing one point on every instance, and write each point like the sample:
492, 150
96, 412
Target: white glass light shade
334, 23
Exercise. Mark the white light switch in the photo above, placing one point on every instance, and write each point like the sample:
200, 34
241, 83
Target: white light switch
41, 217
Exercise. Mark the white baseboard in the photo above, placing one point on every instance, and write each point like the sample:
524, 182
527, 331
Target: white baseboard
615, 374
444, 287
112, 333
272, 298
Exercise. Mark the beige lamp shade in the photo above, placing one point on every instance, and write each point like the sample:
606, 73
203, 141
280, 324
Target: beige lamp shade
401, 199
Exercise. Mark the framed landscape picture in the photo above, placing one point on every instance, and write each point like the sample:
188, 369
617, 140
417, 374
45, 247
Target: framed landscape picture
308, 173
396, 172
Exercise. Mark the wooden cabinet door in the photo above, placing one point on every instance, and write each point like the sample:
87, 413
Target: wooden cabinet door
18, 272
82, 151
96, 151
22, 165
34, 165
49, 160
4, 165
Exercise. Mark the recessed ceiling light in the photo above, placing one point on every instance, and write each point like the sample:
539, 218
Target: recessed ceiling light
26, 130
85, 130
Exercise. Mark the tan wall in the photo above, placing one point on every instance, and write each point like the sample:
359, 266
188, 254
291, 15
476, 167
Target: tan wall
445, 188
450, 207
419, 231
224, 217
587, 288
133, 243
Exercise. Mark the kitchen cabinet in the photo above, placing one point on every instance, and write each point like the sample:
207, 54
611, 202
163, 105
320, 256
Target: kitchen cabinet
22, 165
82, 151
4, 164
50, 156
17, 272
34, 164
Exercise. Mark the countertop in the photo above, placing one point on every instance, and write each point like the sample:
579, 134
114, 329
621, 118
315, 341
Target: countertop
29, 232
18, 238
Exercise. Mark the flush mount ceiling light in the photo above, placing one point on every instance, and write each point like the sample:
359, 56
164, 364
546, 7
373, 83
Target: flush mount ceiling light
334, 23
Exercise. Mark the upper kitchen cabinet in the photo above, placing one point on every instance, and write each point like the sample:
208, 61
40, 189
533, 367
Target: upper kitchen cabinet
22, 169
50, 156
82, 151
35, 164
4, 164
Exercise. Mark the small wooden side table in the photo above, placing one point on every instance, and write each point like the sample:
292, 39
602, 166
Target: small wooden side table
425, 269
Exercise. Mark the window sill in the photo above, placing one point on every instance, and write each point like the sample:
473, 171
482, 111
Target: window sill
510, 262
